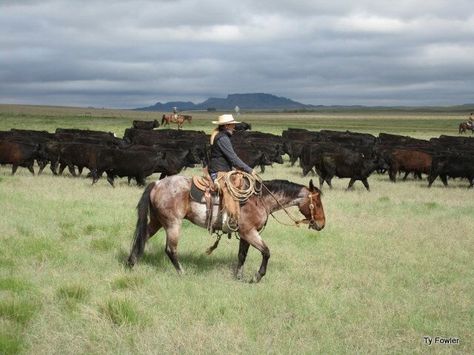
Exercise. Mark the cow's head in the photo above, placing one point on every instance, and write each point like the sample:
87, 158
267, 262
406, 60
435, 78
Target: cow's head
192, 158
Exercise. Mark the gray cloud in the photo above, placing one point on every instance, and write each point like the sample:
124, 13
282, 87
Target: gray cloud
134, 53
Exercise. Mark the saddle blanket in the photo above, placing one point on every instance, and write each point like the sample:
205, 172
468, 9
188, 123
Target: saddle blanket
197, 193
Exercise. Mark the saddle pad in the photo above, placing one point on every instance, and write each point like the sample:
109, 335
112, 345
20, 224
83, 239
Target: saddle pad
197, 195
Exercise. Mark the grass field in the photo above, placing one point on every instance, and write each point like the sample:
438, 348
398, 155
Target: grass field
392, 265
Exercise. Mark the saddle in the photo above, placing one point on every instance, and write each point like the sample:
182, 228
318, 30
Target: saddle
204, 191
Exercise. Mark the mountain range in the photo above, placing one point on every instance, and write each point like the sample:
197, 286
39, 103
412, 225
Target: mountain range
261, 101
257, 101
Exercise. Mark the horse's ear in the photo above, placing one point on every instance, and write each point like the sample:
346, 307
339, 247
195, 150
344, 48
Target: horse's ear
311, 185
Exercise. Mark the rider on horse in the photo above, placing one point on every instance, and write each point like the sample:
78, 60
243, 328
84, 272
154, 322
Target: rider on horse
222, 159
470, 121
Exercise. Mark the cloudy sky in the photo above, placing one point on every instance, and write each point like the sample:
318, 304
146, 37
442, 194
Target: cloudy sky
126, 54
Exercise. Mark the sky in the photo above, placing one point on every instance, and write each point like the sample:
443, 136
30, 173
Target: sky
127, 54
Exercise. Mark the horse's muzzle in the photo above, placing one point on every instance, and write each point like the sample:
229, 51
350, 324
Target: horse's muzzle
315, 225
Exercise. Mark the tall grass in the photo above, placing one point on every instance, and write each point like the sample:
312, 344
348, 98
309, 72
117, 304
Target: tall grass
392, 265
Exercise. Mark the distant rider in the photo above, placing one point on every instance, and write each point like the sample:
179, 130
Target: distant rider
470, 121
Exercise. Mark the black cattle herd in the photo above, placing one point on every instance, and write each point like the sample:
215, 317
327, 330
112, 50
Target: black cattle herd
143, 151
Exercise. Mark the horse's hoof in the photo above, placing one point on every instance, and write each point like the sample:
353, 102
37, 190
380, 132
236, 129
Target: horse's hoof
256, 278
131, 262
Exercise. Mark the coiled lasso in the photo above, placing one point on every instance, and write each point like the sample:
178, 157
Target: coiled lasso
243, 194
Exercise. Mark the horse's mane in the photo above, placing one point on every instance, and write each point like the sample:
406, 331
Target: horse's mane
284, 187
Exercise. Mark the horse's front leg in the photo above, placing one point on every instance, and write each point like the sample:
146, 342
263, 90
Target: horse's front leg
243, 249
254, 239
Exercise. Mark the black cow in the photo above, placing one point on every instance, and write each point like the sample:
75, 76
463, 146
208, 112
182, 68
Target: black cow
252, 157
198, 150
80, 155
87, 136
139, 136
243, 126
311, 154
346, 164
400, 141
175, 161
137, 164
29, 134
85, 132
270, 144
275, 155
146, 125
295, 150
453, 165
51, 151
347, 138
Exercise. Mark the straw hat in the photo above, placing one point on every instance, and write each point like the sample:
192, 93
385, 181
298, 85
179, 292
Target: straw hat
225, 119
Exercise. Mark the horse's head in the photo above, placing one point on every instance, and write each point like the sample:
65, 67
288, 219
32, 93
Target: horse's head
312, 208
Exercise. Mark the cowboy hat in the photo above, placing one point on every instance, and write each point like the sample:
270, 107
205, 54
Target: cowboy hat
225, 119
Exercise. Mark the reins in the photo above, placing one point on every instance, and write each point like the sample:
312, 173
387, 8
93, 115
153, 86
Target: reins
296, 222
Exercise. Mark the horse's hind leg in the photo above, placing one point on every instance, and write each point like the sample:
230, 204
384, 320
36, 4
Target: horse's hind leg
243, 249
172, 237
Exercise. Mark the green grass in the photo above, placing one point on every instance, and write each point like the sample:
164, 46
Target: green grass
391, 266
121, 312
76, 293
10, 340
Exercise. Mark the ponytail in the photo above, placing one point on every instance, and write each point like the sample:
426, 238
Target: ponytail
214, 134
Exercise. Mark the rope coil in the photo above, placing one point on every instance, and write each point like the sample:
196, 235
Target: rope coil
244, 193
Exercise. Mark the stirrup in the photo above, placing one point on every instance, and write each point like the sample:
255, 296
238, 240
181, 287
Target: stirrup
225, 228
230, 225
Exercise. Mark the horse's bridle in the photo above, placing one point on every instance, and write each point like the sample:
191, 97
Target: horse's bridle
311, 211
311, 221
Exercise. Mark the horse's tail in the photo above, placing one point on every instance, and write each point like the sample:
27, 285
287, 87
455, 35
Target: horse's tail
140, 235
163, 119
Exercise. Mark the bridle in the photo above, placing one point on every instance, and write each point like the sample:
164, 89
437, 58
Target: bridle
311, 221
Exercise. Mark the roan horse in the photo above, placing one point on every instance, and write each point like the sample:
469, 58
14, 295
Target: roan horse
178, 119
464, 126
168, 202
